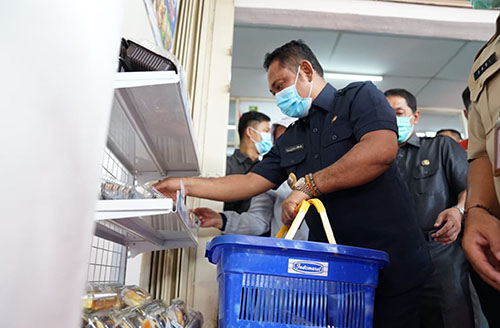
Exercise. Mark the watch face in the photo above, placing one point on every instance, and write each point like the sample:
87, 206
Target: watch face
460, 209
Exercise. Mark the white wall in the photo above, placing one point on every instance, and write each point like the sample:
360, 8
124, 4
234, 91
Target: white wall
210, 121
267, 107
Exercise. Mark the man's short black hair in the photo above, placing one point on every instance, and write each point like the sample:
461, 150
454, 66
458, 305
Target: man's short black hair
450, 130
291, 54
251, 118
466, 99
411, 101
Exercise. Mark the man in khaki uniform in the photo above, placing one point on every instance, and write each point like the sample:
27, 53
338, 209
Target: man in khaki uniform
481, 241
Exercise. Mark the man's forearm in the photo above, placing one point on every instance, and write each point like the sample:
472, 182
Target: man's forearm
228, 188
367, 160
480, 185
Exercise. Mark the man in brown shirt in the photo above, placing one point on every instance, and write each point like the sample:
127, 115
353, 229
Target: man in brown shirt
481, 241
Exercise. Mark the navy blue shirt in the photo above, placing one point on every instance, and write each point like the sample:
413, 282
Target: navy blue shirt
377, 215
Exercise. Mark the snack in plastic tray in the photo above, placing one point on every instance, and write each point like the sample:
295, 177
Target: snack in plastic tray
176, 312
130, 318
103, 302
95, 301
111, 189
134, 296
146, 191
156, 314
102, 319
115, 190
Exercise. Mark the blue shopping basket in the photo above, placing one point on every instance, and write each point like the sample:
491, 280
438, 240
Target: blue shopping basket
271, 282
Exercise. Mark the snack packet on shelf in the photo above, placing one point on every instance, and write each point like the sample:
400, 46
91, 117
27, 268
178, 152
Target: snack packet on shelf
135, 296
130, 318
176, 312
97, 300
156, 313
102, 319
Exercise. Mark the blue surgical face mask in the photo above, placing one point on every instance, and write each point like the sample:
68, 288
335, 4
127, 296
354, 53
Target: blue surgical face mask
265, 144
291, 103
485, 4
405, 128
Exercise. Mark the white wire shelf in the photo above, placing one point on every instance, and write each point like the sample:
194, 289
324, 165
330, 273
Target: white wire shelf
128, 208
145, 225
150, 128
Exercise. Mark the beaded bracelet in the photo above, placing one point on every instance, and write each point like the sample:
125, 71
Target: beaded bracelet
310, 185
487, 209
315, 188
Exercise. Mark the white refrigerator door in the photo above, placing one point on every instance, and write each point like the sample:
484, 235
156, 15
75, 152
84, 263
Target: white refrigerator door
58, 60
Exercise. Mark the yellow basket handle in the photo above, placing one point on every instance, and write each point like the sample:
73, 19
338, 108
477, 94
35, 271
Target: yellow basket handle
302, 210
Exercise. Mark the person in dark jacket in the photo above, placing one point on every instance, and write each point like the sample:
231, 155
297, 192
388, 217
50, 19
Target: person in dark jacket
435, 170
255, 140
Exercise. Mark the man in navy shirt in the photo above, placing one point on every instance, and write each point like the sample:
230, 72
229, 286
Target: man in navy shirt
343, 149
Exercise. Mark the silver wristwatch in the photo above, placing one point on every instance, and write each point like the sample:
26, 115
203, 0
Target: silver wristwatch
460, 209
301, 185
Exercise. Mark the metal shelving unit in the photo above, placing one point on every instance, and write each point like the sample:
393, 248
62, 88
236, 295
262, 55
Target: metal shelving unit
151, 136
146, 225
150, 128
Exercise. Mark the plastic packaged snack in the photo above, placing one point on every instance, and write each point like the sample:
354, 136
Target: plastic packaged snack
134, 296
130, 318
146, 191
102, 319
97, 300
156, 313
85, 320
180, 311
195, 319
176, 312
115, 190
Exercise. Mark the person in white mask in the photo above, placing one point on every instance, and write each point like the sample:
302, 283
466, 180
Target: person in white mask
264, 213
342, 149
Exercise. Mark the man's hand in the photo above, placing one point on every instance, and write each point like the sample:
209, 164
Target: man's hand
169, 187
481, 244
453, 224
208, 217
290, 204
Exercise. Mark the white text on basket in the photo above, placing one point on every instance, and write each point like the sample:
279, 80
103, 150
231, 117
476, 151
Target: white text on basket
310, 268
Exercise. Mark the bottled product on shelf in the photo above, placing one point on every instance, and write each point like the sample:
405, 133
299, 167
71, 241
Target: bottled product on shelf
112, 190
118, 306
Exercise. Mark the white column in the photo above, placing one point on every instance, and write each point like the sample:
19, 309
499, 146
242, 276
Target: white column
210, 122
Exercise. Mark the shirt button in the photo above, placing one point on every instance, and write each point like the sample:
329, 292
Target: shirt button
292, 161
316, 156
315, 130
334, 137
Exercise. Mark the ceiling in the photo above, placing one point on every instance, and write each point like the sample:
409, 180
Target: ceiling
435, 70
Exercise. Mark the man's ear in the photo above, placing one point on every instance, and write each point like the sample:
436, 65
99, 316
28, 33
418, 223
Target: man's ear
416, 117
248, 132
307, 70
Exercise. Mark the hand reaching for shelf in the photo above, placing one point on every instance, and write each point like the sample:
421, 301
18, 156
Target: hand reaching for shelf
208, 217
168, 187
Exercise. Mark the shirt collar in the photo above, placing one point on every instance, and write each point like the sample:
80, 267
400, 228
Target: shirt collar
414, 140
325, 98
240, 157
